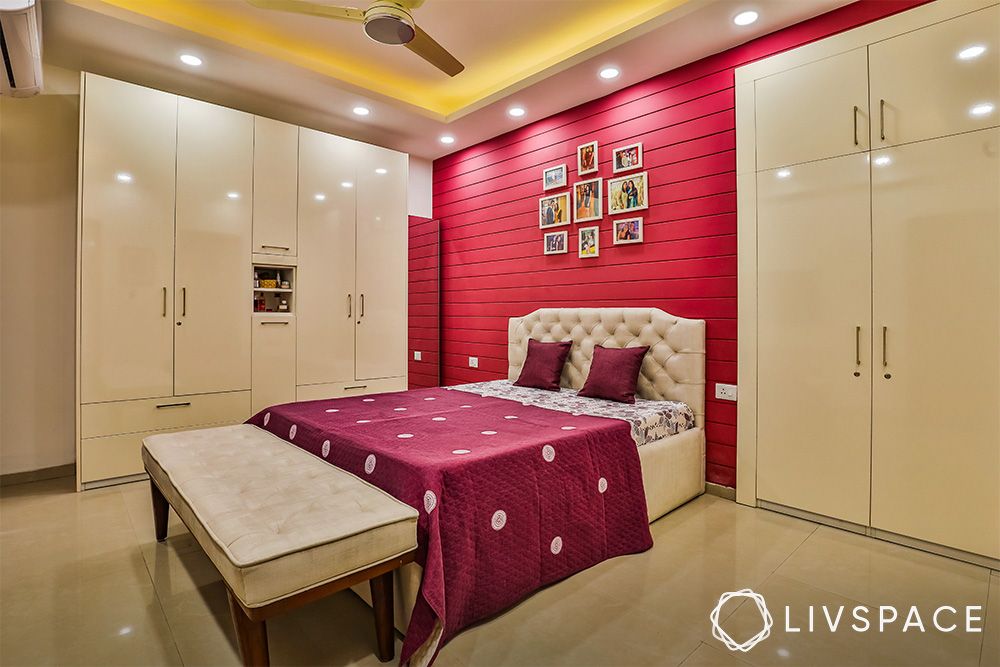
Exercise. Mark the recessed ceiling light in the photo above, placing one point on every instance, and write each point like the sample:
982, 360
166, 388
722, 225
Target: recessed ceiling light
361, 110
984, 109
883, 160
190, 60
516, 112
346, 184
746, 18
381, 170
609, 73
447, 139
233, 195
319, 196
971, 52
123, 177
783, 173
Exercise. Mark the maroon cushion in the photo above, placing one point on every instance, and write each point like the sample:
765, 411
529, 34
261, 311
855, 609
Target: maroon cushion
543, 367
614, 373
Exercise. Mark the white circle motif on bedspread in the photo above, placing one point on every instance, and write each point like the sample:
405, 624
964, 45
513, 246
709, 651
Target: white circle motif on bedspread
430, 501
368, 400
549, 453
370, 464
292, 431
602, 485
400, 409
439, 419
489, 432
499, 520
333, 410
569, 428
326, 448
404, 436
363, 421
267, 418
556, 545
461, 451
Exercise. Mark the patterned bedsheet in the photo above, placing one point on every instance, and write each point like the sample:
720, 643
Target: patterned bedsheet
650, 420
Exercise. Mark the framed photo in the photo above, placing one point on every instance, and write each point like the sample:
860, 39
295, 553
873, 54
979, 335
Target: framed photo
589, 242
554, 177
553, 210
628, 193
587, 200
626, 231
586, 158
555, 243
626, 158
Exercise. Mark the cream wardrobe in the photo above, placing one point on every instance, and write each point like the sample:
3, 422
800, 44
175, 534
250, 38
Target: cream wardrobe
869, 175
180, 202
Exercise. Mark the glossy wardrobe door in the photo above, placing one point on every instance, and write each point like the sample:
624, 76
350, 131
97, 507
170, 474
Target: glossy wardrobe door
275, 186
324, 291
814, 366
214, 223
382, 263
127, 241
936, 398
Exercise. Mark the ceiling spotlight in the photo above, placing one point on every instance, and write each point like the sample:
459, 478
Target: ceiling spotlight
346, 184
381, 171
123, 177
746, 18
609, 73
984, 109
361, 110
190, 60
972, 52
516, 112
447, 139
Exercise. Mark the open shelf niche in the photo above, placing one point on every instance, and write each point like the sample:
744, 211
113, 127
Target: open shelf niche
273, 289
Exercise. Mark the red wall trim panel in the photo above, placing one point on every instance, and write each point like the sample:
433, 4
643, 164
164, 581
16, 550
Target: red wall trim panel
490, 253
424, 331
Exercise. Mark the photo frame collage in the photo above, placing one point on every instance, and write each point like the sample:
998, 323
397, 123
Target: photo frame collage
588, 198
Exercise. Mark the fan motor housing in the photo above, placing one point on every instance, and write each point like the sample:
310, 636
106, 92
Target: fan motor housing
389, 23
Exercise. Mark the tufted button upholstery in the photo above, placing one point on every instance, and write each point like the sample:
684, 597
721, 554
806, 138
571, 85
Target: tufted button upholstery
275, 520
673, 369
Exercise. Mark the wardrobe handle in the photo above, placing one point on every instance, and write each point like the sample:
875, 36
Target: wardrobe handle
885, 360
173, 405
857, 346
274, 322
276, 247
881, 118
362, 305
357, 386
349, 309
164, 301
855, 125
184, 301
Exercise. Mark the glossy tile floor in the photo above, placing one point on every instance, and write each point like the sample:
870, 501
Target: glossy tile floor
83, 582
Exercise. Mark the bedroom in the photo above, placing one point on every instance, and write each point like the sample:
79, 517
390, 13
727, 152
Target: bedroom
614, 333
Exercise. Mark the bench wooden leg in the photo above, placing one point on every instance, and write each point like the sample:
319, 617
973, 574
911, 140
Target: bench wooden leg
250, 635
161, 510
385, 634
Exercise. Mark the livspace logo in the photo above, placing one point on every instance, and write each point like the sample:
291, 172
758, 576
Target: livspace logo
825, 618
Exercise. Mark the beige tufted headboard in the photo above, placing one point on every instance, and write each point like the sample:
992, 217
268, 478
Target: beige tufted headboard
674, 367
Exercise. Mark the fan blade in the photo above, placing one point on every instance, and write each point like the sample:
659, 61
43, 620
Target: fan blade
425, 47
410, 4
312, 9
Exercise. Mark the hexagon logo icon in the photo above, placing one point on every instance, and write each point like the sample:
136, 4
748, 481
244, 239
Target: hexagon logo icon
765, 616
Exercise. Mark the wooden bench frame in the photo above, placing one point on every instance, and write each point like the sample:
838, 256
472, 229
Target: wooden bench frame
250, 622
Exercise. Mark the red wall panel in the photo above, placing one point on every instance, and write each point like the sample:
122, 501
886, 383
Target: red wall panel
491, 262
424, 307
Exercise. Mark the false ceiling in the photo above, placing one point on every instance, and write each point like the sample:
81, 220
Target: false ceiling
540, 54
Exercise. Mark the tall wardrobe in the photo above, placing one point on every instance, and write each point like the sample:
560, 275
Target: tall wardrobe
870, 279
182, 205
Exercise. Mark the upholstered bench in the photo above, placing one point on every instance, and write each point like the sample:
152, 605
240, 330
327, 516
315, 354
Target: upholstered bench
282, 526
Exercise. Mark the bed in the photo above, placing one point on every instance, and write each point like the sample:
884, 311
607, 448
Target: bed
475, 443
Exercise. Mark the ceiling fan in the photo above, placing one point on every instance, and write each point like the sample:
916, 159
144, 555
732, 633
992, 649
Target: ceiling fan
385, 21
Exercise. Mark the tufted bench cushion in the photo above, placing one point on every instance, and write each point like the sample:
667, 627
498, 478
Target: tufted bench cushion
275, 520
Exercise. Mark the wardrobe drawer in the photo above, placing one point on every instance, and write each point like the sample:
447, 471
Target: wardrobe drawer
102, 419
314, 392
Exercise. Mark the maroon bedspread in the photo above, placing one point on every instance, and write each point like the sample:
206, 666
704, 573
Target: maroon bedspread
511, 497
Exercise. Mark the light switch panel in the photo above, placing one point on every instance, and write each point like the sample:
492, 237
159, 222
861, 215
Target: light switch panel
725, 392
473, 362
416, 355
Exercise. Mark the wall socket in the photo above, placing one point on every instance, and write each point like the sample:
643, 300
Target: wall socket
725, 392
473, 362
416, 355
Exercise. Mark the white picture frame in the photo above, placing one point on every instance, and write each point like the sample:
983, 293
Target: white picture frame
595, 206
618, 198
588, 242
587, 161
560, 216
626, 158
633, 231
559, 177
555, 243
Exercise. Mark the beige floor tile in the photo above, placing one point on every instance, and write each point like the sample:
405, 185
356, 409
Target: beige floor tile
709, 656
877, 572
